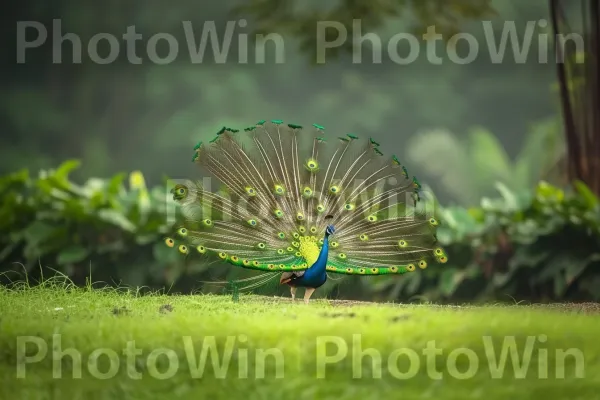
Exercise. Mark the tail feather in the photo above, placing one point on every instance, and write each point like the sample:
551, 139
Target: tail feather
281, 181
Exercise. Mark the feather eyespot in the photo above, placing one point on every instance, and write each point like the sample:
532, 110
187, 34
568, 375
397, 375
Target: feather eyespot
312, 165
280, 251
394, 269
334, 244
261, 246
302, 229
179, 192
342, 256
300, 216
433, 222
271, 266
207, 222
422, 264
182, 232
349, 270
362, 271
298, 254
334, 189
402, 244
349, 207
169, 242
364, 237
374, 270
222, 255
250, 191
443, 259
296, 235
290, 249
307, 192
278, 213
410, 267
320, 208
281, 235
439, 251
372, 218
255, 263
279, 189
201, 249
295, 244
252, 222
281, 266
246, 262
234, 258
183, 249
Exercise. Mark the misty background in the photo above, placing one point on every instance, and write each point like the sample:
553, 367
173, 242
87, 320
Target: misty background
459, 128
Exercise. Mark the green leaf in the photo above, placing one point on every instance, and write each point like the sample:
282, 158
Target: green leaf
116, 218
590, 198
63, 171
72, 254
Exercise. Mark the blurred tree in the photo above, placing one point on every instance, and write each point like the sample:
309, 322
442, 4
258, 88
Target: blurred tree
287, 16
579, 82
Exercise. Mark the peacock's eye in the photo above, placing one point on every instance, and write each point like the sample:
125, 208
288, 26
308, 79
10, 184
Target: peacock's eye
182, 231
410, 267
364, 237
439, 251
349, 206
402, 243
433, 222
394, 269
281, 235
372, 218
250, 191
443, 259
183, 249
313, 229
307, 192
334, 244
181, 191
252, 222
342, 256
279, 189
300, 216
320, 208
312, 165
278, 213
296, 235
422, 264
207, 222
280, 251
169, 242
290, 249
334, 189
261, 246
201, 249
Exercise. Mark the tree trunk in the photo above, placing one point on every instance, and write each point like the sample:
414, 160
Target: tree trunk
578, 73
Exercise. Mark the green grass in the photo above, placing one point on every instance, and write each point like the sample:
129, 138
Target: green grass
87, 320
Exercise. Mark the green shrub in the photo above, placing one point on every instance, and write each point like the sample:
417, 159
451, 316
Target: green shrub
536, 246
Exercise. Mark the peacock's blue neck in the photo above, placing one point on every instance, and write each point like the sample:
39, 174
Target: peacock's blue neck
320, 265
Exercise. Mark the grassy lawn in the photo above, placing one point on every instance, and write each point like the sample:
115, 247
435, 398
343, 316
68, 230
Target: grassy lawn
269, 348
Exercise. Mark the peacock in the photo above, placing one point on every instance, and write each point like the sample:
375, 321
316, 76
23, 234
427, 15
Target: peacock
298, 204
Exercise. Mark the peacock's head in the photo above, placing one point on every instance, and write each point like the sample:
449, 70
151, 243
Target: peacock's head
330, 230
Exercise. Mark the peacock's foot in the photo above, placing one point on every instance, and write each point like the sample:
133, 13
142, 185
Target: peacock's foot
293, 292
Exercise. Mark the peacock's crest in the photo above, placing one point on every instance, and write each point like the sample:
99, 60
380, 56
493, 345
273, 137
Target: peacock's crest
283, 184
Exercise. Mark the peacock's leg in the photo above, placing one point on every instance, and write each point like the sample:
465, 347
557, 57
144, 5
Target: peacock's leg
307, 294
293, 292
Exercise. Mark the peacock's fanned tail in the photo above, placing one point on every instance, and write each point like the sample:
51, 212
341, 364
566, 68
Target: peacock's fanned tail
278, 183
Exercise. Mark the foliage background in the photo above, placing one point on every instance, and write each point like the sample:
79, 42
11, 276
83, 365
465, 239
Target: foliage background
461, 128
